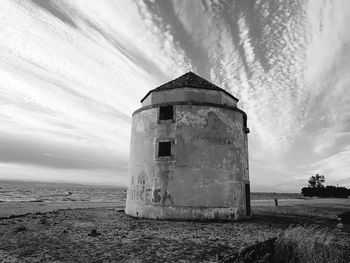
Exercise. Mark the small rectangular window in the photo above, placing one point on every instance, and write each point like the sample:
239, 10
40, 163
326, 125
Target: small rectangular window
166, 112
164, 149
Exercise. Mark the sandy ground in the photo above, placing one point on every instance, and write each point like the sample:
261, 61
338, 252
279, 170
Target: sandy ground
63, 235
19, 208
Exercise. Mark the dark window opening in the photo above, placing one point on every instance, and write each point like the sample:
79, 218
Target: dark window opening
247, 200
164, 149
166, 112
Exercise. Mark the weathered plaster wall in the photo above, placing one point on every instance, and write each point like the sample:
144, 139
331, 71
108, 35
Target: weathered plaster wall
205, 176
227, 100
147, 101
189, 94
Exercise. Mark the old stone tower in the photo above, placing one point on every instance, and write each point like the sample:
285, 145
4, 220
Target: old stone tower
189, 154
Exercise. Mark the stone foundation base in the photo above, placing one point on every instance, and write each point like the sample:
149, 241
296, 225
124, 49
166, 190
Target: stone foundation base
184, 212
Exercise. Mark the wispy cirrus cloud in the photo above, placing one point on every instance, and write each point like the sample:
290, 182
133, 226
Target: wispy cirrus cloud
256, 50
272, 56
72, 72
71, 75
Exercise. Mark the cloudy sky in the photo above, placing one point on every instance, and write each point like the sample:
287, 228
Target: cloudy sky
72, 73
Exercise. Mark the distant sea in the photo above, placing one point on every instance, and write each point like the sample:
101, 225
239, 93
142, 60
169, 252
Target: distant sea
16, 191
13, 191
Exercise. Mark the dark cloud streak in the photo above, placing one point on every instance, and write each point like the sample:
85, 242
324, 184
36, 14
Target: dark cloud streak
197, 55
50, 7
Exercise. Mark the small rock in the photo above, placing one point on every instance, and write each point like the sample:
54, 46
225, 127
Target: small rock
43, 221
340, 226
221, 243
65, 231
94, 233
20, 228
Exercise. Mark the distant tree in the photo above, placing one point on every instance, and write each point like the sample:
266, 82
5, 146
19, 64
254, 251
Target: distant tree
316, 181
307, 191
312, 182
316, 188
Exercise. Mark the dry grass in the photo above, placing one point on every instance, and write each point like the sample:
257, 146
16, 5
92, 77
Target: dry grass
307, 244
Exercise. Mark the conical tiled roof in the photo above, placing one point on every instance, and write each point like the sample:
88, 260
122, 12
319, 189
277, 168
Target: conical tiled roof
189, 80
